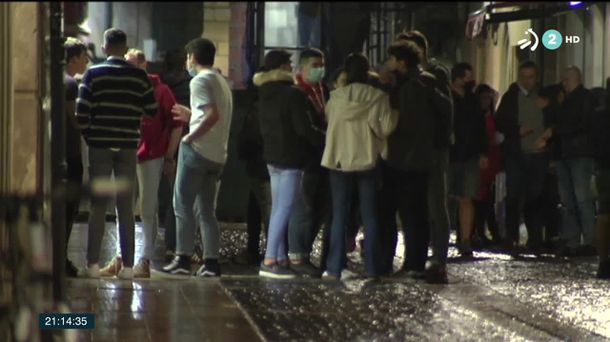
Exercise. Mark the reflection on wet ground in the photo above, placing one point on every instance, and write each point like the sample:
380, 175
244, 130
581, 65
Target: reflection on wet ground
494, 298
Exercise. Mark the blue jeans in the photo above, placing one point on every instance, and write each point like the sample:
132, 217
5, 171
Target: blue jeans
578, 210
197, 179
311, 210
342, 185
285, 189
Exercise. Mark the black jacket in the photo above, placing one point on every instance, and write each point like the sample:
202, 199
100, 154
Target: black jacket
290, 132
250, 144
419, 103
444, 137
178, 81
600, 137
573, 123
507, 121
469, 129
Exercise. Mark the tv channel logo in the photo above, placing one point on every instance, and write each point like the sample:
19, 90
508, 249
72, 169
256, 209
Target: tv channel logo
551, 39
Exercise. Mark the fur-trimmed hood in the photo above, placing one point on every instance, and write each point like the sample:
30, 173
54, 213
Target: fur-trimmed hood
261, 78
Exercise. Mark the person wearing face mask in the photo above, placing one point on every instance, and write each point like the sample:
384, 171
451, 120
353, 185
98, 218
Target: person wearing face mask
313, 206
526, 161
468, 154
288, 139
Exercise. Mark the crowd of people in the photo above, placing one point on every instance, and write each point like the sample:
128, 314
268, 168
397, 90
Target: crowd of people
411, 140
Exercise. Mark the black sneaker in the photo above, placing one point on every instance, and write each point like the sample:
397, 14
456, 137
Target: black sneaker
603, 271
306, 269
209, 269
465, 249
71, 270
585, 251
180, 265
276, 271
437, 274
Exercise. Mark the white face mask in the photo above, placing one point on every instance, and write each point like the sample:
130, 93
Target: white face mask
193, 72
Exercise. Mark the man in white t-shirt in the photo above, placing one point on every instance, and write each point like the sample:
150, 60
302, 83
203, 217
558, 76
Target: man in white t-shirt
203, 153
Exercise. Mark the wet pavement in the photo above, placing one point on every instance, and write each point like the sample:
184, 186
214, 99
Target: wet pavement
491, 298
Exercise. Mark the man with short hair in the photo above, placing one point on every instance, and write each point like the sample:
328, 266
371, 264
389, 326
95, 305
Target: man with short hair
76, 63
202, 155
468, 153
575, 166
526, 162
437, 180
313, 207
160, 136
112, 98
407, 158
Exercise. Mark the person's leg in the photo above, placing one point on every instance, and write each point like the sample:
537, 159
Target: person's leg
285, 190
536, 167
75, 180
412, 207
207, 199
253, 224
188, 183
387, 219
301, 220
170, 219
602, 183
514, 192
582, 171
570, 234
368, 198
100, 170
438, 215
149, 177
125, 169
341, 188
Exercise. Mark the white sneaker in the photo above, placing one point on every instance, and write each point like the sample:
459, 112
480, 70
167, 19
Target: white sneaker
348, 275
125, 273
92, 271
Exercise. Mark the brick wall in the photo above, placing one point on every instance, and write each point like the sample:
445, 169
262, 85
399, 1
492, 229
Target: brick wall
225, 24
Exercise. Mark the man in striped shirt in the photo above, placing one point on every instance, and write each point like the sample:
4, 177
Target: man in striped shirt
112, 98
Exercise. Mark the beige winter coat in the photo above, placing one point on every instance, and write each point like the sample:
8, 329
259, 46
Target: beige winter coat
359, 121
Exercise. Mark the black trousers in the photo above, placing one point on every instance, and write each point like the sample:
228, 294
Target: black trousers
75, 179
404, 192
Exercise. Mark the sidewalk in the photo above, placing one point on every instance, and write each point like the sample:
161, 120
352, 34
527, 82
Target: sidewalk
493, 298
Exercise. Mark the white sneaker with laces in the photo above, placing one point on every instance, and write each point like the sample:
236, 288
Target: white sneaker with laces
125, 273
91, 271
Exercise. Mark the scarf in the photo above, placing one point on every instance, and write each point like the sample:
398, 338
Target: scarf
314, 92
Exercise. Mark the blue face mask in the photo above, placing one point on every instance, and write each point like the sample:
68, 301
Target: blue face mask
193, 72
315, 75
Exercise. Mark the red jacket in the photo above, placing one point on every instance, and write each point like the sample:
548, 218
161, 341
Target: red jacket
155, 131
494, 156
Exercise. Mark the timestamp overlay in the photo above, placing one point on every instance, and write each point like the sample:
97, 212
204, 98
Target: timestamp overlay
51, 321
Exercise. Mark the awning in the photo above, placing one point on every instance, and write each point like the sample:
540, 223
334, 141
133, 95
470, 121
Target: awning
507, 11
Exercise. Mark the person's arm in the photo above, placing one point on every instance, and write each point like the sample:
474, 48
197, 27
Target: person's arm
382, 119
149, 102
83, 103
167, 102
211, 118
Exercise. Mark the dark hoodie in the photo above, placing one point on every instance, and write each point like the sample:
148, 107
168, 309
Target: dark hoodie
287, 121
178, 82
420, 103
